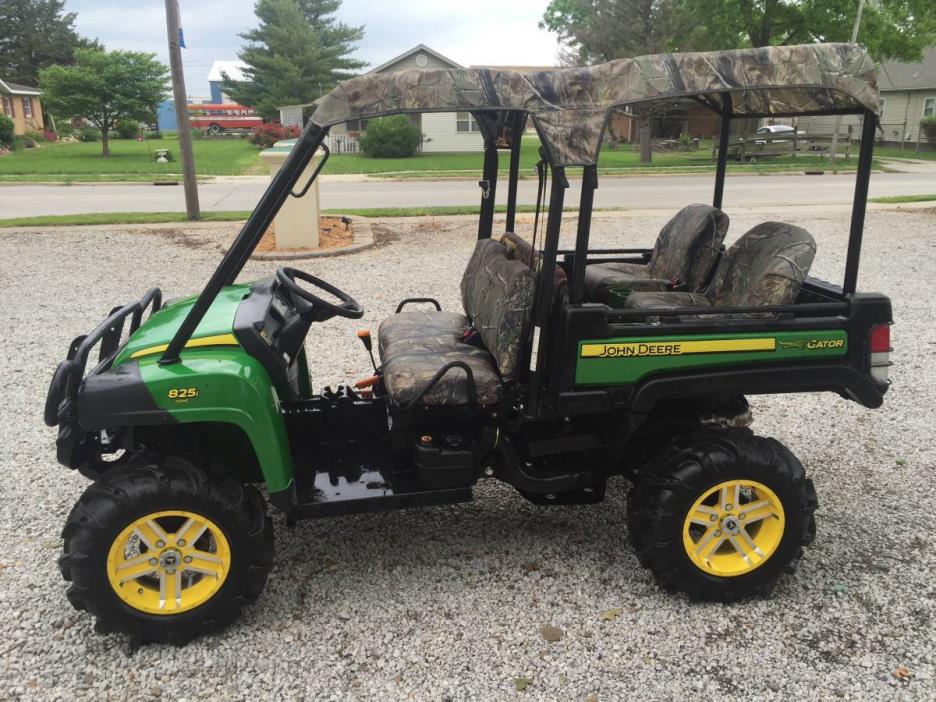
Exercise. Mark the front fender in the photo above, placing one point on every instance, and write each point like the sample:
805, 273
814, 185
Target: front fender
213, 385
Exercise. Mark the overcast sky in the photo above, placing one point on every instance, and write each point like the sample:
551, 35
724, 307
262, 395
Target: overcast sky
492, 32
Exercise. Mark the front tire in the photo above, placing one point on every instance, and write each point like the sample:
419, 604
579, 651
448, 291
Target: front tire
163, 551
724, 517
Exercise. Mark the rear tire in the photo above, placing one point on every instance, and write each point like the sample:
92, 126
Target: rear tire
215, 129
126, 510
669, 504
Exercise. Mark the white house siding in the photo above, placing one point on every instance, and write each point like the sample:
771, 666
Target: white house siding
903, 110
412, 61
440, 134
915, 101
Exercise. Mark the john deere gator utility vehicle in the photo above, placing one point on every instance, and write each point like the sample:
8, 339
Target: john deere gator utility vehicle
563, 368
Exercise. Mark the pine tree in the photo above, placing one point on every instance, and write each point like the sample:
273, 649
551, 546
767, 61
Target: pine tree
298, 53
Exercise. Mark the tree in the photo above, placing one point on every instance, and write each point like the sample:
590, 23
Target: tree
298, 53
890, 29
36, 34
593, 31
104, 87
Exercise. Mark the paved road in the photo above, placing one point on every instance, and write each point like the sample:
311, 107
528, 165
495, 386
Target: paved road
650, 192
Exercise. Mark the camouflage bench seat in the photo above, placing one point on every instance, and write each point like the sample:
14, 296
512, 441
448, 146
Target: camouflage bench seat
687, 250
497, 294
428, 327
766, 266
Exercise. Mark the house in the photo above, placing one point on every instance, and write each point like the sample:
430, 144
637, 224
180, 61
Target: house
219, 69
21, 104
442, 131
908, 94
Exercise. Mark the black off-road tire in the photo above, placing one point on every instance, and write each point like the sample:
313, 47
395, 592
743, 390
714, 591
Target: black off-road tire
660, 500
123, 495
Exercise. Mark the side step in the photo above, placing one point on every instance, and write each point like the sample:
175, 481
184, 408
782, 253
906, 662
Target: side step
331, 493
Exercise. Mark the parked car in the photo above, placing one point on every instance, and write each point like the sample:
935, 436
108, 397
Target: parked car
776, 132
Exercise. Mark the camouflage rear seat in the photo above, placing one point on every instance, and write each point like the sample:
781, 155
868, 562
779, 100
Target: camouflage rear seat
766, 266
522, 250
497, 294
686, 250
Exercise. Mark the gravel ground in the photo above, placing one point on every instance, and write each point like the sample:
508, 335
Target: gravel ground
449, 603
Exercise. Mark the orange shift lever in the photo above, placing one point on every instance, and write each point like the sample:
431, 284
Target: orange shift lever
364, 336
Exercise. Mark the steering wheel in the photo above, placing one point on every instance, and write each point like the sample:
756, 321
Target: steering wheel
312, 307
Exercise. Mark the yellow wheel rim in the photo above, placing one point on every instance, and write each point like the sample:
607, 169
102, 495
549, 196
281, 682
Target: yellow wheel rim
168, 562
733, 528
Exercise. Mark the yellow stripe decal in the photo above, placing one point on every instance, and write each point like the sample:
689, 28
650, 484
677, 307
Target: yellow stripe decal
676, 348
216, 340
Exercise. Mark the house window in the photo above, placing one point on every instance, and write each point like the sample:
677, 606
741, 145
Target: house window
8, 106
929, 106
465, 122
881, 103
27, 107
356, 125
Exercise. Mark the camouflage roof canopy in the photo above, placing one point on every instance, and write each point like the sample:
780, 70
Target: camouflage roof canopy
570, 106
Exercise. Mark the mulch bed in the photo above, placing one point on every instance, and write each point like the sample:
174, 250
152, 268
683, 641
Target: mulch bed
332, 233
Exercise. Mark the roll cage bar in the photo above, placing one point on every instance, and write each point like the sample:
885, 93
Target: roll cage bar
503, 130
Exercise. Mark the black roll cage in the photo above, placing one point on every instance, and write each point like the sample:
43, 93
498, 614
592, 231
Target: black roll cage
503, 129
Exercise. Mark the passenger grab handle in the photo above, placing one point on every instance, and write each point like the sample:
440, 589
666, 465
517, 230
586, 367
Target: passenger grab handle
416, 300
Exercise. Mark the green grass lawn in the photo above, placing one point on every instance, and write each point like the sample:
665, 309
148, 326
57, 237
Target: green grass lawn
908, 152
624, 159
129, 160
900, 199
73, 220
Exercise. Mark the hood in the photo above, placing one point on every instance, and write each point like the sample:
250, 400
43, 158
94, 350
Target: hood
215, 329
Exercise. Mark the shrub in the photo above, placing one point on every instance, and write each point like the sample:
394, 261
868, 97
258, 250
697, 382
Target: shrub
88, 134
49, 135
197, 132
7, 130
391, 137
127, 129
928, 125
266, 135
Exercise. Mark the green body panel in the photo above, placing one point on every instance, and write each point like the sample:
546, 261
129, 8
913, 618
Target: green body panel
220, 383
223, 384
162, 326
626, 360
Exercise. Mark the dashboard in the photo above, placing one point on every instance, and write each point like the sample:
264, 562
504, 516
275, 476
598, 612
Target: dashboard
261, 319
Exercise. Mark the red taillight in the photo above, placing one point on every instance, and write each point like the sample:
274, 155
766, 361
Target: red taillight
880, 338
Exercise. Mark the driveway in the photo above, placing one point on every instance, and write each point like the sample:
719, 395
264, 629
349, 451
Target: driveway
643, 192
448, 603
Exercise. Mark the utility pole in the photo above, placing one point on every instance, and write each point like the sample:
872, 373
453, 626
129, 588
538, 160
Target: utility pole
181, 107
838, 119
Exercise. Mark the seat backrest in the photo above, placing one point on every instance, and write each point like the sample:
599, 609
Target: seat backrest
766, 266
484, 249
689, 246
499, 303
520, 249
